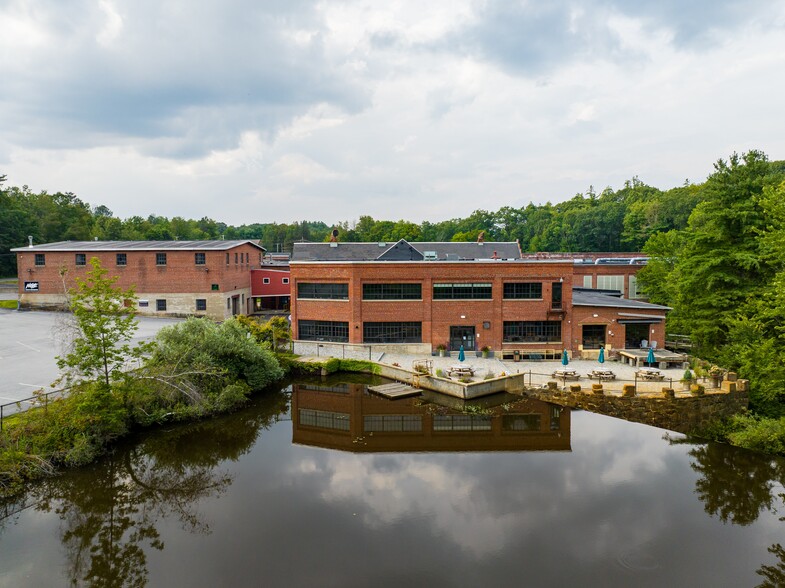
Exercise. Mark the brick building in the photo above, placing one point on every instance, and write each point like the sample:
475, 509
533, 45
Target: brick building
171, 278
472, 294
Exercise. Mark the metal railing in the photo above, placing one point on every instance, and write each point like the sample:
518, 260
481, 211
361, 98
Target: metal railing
40, 400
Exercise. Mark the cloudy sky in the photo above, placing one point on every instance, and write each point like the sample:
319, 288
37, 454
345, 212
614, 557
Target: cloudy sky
283, 110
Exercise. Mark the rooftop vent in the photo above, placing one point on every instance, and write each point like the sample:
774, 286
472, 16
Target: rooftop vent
382, 244
430, 255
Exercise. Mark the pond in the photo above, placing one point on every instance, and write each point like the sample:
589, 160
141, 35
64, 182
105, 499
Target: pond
325, 484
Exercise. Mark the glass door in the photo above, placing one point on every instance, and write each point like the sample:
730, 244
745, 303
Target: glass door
461, 335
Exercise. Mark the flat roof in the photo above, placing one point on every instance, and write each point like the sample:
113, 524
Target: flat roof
79, 246
584, 297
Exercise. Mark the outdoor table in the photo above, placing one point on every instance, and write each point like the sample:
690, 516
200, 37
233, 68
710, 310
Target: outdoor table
601, 375
650, 374
460, 370
566, 374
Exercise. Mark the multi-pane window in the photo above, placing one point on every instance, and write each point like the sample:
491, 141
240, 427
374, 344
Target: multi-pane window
235, 257
460, 291
201, 304
81, 259
200, 258
610, 283
392, 291
532, 331
160, 304
324, 419
323, 331
556, 289
587, 281
408, 332
633, 288
523, 290
392, 423
227, 259
328, 291
593, 336
521, 422
265, 280
121, 259
40, 259
160, 259
285, 280
461, 422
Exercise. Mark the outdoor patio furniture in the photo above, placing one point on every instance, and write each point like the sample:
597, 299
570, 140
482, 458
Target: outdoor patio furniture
649, 374
566, 375
601, 375
460, 370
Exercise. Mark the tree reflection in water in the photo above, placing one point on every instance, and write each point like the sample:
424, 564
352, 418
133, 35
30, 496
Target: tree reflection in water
109, 511
737, 485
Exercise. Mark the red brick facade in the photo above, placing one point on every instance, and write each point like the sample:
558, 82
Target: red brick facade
223, 278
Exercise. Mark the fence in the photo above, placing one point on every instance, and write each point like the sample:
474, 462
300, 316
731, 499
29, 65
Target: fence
39, 400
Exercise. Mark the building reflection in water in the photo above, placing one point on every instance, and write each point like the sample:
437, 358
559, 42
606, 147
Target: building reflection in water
346, 416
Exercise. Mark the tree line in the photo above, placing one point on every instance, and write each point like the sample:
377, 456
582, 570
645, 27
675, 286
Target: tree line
613, 220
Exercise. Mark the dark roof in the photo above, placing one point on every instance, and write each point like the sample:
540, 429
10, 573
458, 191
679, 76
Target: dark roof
405, 251
585, 297
139, 246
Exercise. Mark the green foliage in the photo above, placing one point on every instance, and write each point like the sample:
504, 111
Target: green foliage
276, 333
8, 304
104, 315
199, 348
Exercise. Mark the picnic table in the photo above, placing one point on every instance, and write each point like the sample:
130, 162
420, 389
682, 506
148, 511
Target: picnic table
460, 370
566, 374
649, 374
601, 375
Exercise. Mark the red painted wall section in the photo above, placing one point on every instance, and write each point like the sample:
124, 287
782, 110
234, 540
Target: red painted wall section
278, 282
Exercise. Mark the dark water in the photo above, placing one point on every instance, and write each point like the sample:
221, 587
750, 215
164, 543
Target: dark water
328, 485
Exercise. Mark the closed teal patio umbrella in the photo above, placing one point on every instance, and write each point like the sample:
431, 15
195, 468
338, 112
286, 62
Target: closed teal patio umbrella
461, 354
650, 358
601, 358
564, 359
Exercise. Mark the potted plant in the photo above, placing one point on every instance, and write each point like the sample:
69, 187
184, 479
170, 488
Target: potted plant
686, 379
716, 373
442, 348
486, 351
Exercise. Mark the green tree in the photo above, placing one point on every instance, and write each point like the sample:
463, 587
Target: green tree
105, 319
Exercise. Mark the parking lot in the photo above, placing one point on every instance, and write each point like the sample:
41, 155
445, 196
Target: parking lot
30, 343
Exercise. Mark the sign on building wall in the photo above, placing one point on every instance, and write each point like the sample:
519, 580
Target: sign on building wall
31, 286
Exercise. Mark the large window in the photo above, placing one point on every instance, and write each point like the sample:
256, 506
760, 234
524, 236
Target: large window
201, 304
392, 332
323, 331
81, 259
461, 422
200, 258
593, 336
324, 420
610, 283
392, 291
556, 289
160, 304
160, 259
521, 422
523, 290
532, 331
633, 289
467, 291
392, 423
328, 291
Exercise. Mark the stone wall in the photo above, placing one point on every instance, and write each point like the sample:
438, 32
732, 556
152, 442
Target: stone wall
681, 414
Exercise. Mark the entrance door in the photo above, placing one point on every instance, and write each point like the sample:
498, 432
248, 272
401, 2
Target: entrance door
461, 335
235, 305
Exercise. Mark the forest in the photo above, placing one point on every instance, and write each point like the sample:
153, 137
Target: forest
717, 252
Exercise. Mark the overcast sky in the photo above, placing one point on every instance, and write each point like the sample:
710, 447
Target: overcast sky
281, 110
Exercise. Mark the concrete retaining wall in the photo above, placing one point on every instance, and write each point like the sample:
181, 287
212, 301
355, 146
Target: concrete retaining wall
357, 351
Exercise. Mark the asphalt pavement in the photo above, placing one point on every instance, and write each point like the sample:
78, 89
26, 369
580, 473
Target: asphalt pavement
30, 342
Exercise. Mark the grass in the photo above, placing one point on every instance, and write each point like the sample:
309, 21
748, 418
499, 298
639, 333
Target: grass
8, 304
